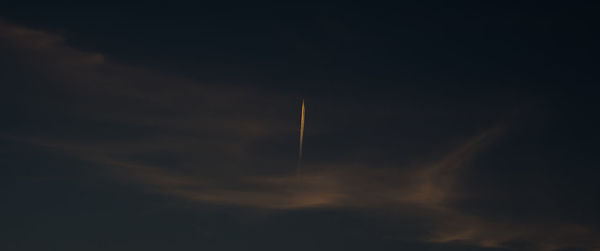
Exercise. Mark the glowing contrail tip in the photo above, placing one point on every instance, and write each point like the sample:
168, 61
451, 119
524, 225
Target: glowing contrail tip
302, 116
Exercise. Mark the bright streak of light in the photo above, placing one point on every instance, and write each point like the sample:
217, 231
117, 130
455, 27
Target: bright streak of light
302, 116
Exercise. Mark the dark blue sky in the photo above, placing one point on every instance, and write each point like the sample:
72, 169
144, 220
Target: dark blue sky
430, 126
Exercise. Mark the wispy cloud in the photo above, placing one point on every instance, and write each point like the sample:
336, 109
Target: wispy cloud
214, 138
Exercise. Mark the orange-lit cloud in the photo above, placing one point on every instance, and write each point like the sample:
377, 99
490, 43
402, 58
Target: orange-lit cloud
211, 133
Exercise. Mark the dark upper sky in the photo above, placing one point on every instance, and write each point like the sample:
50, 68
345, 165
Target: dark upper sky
430, 126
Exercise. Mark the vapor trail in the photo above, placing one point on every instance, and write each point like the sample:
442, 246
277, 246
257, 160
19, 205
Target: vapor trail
302, 115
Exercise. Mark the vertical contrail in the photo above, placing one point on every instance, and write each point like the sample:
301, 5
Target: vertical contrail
302, 116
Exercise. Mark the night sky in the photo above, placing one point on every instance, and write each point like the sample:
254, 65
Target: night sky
429, 126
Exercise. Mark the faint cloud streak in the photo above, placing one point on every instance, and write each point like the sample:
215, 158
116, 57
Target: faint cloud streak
208, 132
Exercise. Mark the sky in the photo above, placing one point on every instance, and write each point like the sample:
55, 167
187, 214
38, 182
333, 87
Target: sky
429, 126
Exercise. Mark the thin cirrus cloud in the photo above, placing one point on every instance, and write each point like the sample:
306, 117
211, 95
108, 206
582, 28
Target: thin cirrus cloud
211, 133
